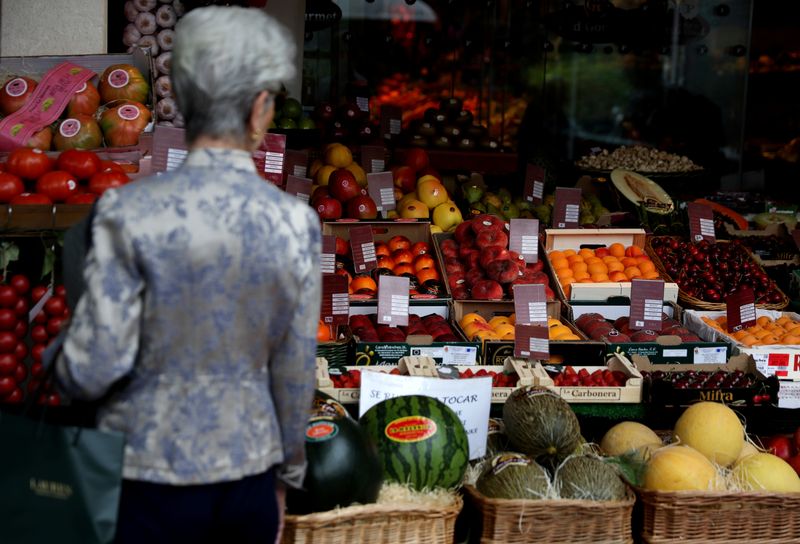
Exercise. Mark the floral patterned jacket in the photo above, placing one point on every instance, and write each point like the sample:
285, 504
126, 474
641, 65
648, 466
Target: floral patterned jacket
203, 292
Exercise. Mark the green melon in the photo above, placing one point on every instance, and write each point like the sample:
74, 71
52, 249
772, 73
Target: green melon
343, 467
513, 476
496, 439
420, 441
588, 477
542, 425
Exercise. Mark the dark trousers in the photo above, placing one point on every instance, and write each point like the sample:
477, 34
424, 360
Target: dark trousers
241, 511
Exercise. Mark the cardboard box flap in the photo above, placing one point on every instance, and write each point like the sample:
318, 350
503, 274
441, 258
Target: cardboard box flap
323, 378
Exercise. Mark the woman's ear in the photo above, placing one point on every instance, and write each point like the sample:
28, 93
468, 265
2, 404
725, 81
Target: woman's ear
262, 113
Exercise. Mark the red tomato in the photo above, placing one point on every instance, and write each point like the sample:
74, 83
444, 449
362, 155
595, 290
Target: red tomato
123, 82
8, 342
15, 397
111, 166
80, 163
8, 297
29, 163
30, 198
20, 283
60, 290
38, 292
8, 319
55, 306
21, 307
81, 198
57, 185
123, 124
85, 101
78, 132
8, 364
2, 167
10, 186
21, 351
38, 335
100, 182
21, 329
15, 93
7, 385
21, 372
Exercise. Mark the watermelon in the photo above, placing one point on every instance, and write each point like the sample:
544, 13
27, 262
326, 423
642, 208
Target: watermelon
343, 467
420, 441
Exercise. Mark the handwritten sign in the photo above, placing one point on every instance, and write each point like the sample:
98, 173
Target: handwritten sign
531, 335
567, 209
274, 148
380, 186
701, 222
741, 309
393, 300
524, 238
362, 246
335, 308
647, 301
534, 184
469, 399
327, 261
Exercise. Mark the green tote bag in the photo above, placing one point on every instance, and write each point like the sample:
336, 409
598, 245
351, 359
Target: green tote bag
58, 483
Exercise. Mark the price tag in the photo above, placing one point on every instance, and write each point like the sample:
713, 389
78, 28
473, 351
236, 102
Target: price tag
335, 300
362, 246
299, 187
741, 309
531, 341
647, 301
363, 104
701, 222
530, 304
373, 158
273, 147
567, 209
391, 121
381, 189
789, 395
534, 183
169, 148
524, 238
296, 163
393, 300
327, 262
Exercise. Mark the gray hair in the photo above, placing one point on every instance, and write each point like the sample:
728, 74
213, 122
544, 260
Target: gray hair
223, 57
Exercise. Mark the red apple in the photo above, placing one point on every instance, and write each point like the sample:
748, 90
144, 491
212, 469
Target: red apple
328, 208
405, 178
362, 207
643, 336
490, 253
342, 246
453, 266
502, 270
587, 318
460, 292
464, 234
780, 446
416, 158
342, 185
491, 237
487, 290
449, 248
472, 259
473, 276
486, 221
794, 462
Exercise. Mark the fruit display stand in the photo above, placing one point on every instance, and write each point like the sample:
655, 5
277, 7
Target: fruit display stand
555, 521
684, 384
575, 239
338, 352
689, 301
781, 360
495, 352
628, 393
717, 517
667, 347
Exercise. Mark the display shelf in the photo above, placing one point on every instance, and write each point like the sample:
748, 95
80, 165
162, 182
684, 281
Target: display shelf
33, 219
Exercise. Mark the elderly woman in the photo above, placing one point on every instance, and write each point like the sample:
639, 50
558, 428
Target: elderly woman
197, 326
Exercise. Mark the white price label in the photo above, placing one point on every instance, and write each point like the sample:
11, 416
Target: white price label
273, 162
175, 158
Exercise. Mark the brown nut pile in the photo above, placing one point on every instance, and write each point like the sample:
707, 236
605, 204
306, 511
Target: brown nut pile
639, 159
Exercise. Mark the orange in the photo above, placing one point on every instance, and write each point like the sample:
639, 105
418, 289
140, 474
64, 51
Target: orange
580, 275
568, 252
600, 278
615, 266
365, 283
559, 264
597, 268
617, 276
498, 320
794, 329
770, 325
642, 259
469, 318
586, 252
790, 339
748, 340
386, 262
647, 266
504, 330
471, 328
338, 155
763, 320
783, 321
761, 333
610, 259
555, 254
587, 279
566, 282
509, 336
564, 273
423, 261
512, 318
567, 291
633, 251
617, 250
630, 261
651, 275
382, 250
574, 259
323, 332
632, 272
593, 260
769, 339
427, 274
404, 268
579, 267
739, 334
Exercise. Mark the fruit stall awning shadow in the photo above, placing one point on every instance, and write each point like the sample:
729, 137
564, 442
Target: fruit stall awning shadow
387, 10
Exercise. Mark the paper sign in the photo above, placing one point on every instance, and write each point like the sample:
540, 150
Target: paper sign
470, 399
524, 238
531, 341
295, 163
530, 304
169, 148
393, 300
363, 104
701, 222
789, 395
391, 121
44, 105
362, 247
373, 158
327, 262
567, 209
274, 148
741, 309
647, 301
299, 187
335, 300
381, 189
710, 356
534, 184
449, 355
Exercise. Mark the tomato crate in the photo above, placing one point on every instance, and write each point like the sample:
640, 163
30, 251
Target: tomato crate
682, 385
495, 352
576, 239
776, 359
629, 392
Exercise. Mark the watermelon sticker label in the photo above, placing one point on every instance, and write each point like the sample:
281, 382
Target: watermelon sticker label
83, 88
69, 127
501, 462
16, 87
118, 78
129, 113
320, 431
410, 429
325, 407
496, 426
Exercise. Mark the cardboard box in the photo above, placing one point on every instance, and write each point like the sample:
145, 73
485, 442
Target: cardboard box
662, 392
780, 360
591, 238
666, 348
495, 352
631, 392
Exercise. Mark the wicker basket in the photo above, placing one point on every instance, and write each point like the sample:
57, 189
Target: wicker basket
340, 352
375, 524
692, 302
553, 521
752, 518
